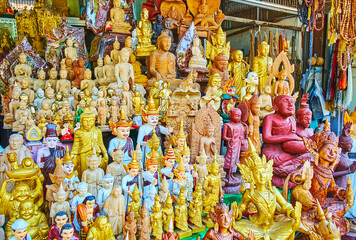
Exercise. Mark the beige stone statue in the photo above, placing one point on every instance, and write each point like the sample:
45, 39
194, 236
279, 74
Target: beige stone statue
162, 62
40, 81
139, 77
116, 168
128, 45
99, 70
266, 102
26, 89
21, 115
63, 83
114, 112
261, 64
87, 82
114, 208
115, 53
22, 69
124, 70
127, 95
93, 175
108, 72
60, 203
103, 114
117, 19
213, 92
144, 34
198, 60
52, 81
70, 50
45, 112
201, 167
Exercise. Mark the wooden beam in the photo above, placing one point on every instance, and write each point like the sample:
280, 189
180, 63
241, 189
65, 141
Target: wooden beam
259, 23
269, 6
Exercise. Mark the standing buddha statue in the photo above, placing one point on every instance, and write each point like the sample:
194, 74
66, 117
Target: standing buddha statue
261, 64
218, 45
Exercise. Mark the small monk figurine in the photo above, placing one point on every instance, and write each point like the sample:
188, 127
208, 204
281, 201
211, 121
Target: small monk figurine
197, 60
40, 82
116, 168
21, 115
304, 118
70, 51
202, 169
60, 203
117, 19
99, 71
85, 139
69, 68
108, 71
22, 69
218, 45
207, 142
235, 133
79, 70
103, 114
123, 69
266, 102
162, 62
87, 82
220, 66
261, 63
114, 208
63, 83
128, 45
280, 141
144, 34
100, 230
204, 18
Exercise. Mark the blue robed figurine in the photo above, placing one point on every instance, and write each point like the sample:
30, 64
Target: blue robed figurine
168, 171
19, 230
132, 178
151, 175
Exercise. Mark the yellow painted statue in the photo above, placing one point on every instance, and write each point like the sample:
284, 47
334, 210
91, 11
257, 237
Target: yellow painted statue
144, 34
218, 45
262, 63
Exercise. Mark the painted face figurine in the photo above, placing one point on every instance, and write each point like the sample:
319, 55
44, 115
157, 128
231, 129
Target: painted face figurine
19, 230
168, 170
122, 132
132, 178
68, 232
151, 176
60, 219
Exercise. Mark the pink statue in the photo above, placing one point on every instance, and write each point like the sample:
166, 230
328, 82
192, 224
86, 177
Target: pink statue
304, 117
235, 133
280, 140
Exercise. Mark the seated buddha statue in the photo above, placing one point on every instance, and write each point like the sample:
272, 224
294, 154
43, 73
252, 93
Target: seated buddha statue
213, 92
204, 18
144, 34
117, 19
139, 77
316, 184
197, 60
162, 62
22, 69
304, 118
280, 140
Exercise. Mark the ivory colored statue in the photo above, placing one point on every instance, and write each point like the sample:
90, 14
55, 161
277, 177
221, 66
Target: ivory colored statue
40, 82
21, 115
218, 45
266, 103
26, 89
263, 221
115, 53
197, 60
114, 208
103, 114
100, 230
207, 142
127, 95
60, 203
108, 72
251, 83
116, 168
71, 175
114, 111
99, 71
107, 183
261, 63
202, 169
57, 178
22, 69
117, 19
71, 51
213, 92
128, 45
86, 139
63, 84
52, 81
87, 82
124, 70
162, 62
144, 34
93, 175
156, 219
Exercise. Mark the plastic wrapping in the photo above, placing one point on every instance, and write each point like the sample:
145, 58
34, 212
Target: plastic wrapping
184, 52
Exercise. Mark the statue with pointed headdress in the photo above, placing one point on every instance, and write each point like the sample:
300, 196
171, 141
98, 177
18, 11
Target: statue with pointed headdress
131, 179
151, 175
267, 199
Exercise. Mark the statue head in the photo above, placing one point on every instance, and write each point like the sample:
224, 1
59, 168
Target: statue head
81, 62
67, 163
263, 49
68, 61
51, 136
180, 170
221, 62
53, 74
128, 42
151, 114
87, 74
135, 195
59, 96
215, 80
93, 161
181, 138
196, 42
67, 231
303, 114
220, 37
164, 41
345, 140
16, 93
133, 167
61, 218
168, 202
116, 44
100, 62
210, 130
41, 74
82, 189
69, 42
254, 104
154, 142
107, 60
15, 141
102, 222
185, 154
284, 105
152, 162
89, 202
237, 56
252, 78
235, 115
118, 155
267, 90
116, 191
25, 83
132, 58
27, 209
131, 214
124, 55
19, 229
144, 14
117, 3
108, 181
49, 93
202, 158
58, 175
87, 120
22, 58
222, 216
21, 192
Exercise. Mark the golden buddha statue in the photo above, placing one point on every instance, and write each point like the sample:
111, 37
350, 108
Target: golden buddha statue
218, 45
139, 77
144, 34
156, 219
37, 221
238, 68
266, 198
167, 212
135, 204
101, 230
181, 215
117, 19
196, 207
261, 64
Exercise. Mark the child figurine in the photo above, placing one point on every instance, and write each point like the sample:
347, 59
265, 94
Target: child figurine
196, 207
156, 220
164, 190
114, 112
116, 168
114, 208
93, 175
88, 211
82, 190
151, 176
130, 227
105, 191
144, 224
60, 204
131, 179
19, 230
135, 203
60, 219
122, 132
150, 199
181, 180
202, 170
181, 212
68, 232
168, 172
71, 175
103, 114
168, 213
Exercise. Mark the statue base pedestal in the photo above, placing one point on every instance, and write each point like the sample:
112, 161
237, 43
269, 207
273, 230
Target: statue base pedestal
196, 229
208, 223
184, 234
